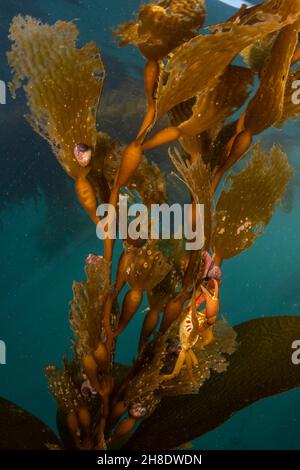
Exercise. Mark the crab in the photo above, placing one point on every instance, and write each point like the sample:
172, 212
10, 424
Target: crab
196, 327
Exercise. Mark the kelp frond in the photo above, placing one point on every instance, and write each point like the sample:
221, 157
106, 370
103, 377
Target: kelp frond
247, 206
64, 387
211, 109
192, 79
86, 307
196, 176
266, 107
148, 181
211, 358
291, 110
163, 25
148, 386
144, 387
186, 75
256, 54
148, 266
62, 82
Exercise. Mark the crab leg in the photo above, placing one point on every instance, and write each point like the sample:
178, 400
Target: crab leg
193, 358
189, 365
178, 366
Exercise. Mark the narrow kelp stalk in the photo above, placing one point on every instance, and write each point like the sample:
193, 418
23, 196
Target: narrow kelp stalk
189, 78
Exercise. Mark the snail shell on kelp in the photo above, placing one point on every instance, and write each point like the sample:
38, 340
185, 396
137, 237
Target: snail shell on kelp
215, 272
137, 411
210, 270
94, 264
93, 261
87, 391
83, 154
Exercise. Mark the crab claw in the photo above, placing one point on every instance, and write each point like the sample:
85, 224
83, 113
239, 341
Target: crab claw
200, 300
212, 302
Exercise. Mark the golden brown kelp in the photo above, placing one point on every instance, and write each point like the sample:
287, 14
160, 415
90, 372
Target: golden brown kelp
211, 109
246, 380
201, 119
146, 269
256, 54
149, 384
144, 387
63, 388
104, 146
291, 110
266, 107
87, 306
210, 358
268, 339
62, 83
194, 81
197, 179
159, 297
148, 182
247, 206
196, 176
74, 396
163, 25
159, 29
186, 75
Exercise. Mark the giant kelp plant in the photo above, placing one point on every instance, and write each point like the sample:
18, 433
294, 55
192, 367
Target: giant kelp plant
215, 110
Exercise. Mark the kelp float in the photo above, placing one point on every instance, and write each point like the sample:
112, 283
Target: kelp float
213, 112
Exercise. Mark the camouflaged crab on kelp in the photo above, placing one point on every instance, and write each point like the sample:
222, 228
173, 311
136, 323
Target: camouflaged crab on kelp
212, 109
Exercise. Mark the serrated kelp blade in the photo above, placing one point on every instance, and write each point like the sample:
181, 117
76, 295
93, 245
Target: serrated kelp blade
196, 177
162, 26
267, 105
62, 82
247, 206
187, 72
86, 307
182, 418
212, 109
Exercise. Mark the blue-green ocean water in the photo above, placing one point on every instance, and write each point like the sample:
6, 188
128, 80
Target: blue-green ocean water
45, 237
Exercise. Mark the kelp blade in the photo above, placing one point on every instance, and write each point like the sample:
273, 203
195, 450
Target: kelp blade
245, 209
261, 367
62, 82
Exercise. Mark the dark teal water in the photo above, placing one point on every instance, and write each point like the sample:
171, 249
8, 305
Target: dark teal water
45, 237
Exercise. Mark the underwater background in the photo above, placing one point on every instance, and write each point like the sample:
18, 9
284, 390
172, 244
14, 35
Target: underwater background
45, 235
